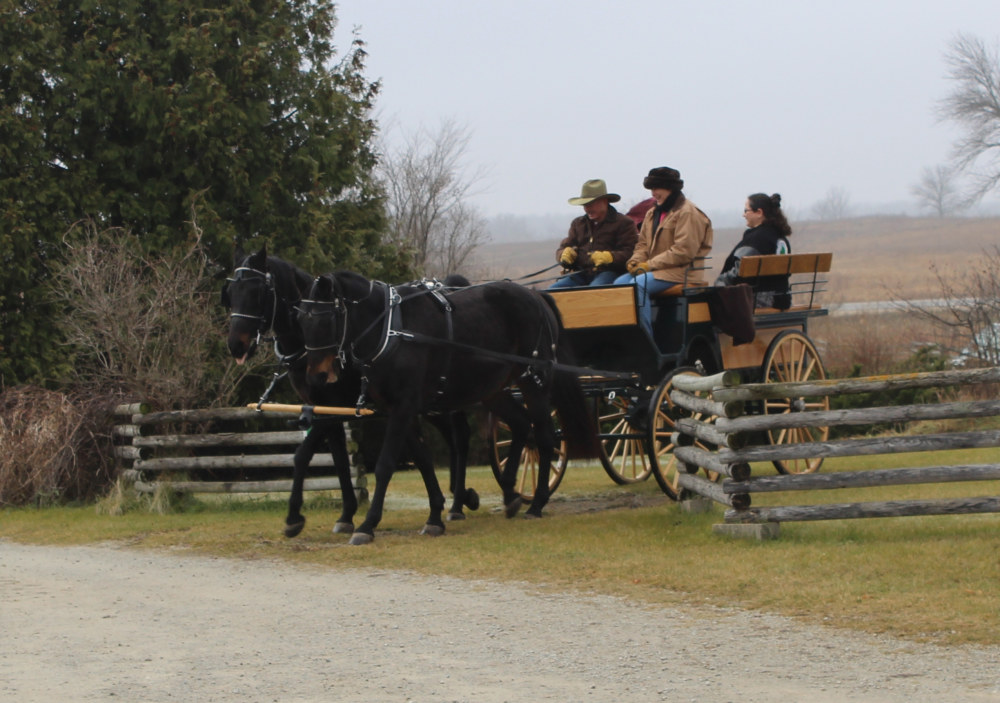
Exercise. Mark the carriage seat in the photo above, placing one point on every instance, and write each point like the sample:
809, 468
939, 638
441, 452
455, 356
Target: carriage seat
784, 264
753, 267
697, 264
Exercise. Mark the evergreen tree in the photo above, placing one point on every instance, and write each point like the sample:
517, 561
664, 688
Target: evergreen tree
132, 112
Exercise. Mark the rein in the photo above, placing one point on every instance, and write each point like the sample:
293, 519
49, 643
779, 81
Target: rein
512, 358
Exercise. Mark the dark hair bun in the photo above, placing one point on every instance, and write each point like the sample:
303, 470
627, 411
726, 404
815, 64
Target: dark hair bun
776, 200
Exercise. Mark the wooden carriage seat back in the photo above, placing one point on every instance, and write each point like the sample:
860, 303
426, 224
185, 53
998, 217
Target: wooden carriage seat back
784, 264
596, 307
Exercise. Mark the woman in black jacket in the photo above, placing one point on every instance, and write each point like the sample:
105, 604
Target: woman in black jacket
768, 234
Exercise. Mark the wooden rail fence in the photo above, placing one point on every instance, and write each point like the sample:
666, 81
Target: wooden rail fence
724, 398
142, 443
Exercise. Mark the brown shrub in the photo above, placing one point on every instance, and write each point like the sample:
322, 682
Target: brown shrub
147, 324
53, 446
877, 342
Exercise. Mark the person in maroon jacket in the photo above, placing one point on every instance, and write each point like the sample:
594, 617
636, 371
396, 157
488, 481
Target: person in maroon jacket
599, 243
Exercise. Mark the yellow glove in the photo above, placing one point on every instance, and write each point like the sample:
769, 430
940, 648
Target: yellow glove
637, 268
601, 258
568, 256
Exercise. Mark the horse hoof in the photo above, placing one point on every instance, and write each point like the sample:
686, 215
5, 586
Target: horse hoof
293, 529
471, 499
432, 530
361, 538
532, 516
514, 507
343, 528
455, 516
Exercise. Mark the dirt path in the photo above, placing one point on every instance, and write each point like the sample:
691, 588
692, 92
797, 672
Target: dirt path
105, 623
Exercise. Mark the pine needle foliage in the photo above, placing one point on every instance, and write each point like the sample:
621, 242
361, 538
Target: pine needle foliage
130, 113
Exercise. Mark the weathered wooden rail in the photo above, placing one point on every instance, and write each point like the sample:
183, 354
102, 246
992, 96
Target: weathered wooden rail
731, 461
145, 437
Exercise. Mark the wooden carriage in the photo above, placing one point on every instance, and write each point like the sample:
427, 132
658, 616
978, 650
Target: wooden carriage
636, 418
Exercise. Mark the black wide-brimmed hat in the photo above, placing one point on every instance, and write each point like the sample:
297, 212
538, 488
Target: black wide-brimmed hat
663, 177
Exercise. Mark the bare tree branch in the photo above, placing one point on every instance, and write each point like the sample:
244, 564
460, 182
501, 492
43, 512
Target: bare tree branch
968, 319
938, 191
834, 206
974, 104
148, 325
428, 186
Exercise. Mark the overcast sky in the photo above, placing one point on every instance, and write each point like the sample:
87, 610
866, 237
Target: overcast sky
790, 97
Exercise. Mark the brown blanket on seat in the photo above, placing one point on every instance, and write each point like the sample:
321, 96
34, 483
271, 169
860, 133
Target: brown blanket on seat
732, 312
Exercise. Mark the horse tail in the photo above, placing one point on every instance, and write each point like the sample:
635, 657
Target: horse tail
579, 427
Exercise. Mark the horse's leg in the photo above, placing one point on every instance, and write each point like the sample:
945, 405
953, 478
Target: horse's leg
513, 413
425, 464
454, 428
537, 401
442, 422
459, 423
397, 432
303, 455
337, 440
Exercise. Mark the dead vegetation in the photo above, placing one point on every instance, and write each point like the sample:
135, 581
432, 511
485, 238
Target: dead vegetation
148, 325
54, 446
876, 342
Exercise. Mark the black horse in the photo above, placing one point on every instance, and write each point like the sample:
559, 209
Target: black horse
419, 352
262, 295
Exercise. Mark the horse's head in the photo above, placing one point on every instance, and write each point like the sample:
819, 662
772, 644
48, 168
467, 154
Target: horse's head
250, 296
322, 317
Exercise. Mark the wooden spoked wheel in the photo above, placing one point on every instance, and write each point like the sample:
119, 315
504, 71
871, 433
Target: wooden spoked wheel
662, 425
527, 471
793, 357
624, 455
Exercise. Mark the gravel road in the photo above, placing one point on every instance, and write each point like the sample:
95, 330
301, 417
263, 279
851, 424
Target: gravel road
111, 623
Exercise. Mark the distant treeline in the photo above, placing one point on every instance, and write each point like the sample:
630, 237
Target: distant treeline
550, 226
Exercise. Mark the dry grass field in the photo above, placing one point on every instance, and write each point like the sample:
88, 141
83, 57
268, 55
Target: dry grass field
873, 256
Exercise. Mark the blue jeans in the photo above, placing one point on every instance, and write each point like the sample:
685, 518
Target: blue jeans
585, 278
648, 285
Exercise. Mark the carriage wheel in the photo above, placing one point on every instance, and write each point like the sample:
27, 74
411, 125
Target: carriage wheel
662, 425
527, 471
793, 357
623, 446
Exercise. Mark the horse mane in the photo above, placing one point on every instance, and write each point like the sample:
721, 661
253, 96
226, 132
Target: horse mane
351, 284
286, 274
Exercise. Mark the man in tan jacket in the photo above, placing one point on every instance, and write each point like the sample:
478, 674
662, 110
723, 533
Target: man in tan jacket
673, 235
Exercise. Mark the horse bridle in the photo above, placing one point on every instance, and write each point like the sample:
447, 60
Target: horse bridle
262, 323
335, 309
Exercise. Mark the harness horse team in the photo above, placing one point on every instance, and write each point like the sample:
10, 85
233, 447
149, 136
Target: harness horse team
580, 371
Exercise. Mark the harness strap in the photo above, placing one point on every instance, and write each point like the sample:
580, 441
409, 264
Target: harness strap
511, 358
443, 379
274, 381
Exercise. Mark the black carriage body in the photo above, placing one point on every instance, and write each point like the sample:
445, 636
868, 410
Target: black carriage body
603, 324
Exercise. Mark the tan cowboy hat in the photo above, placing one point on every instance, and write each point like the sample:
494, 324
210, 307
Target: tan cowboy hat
592, 190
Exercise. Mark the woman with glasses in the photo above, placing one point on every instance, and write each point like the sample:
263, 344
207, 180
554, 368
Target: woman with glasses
768, 234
